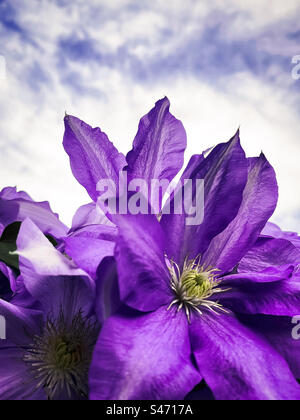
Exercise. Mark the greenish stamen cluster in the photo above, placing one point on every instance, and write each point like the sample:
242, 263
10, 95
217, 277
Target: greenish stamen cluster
59, 358
193, 287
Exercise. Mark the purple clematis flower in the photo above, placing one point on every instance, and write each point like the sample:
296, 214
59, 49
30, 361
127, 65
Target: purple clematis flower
189, 296
50, 325
158, 153
182, 295
14, 208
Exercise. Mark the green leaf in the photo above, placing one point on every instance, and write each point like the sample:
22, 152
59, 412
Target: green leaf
11, 232
8, 244
52, 240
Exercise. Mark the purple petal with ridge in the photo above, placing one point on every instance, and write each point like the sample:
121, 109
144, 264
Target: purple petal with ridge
143, 357
92, 156
158, 148
259, 202
144, 279
238, 364
50, 277
224, 172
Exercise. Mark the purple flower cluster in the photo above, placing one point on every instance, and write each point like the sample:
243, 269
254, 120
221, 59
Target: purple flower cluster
144, 306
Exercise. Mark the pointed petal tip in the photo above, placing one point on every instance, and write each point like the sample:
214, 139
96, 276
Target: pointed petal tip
264, 160
67, 117
236, 140
262, 156
238, 133
71, 119
163, 102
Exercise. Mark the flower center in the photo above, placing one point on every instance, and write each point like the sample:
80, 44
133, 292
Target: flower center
193, 286
67, 355
196, 284
59, 359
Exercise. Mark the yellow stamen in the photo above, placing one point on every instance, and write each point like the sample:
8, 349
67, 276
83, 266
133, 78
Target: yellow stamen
193, 286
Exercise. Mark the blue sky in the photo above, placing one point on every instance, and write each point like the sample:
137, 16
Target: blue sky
222, 64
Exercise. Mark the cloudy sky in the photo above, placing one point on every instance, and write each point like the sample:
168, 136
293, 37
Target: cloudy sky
222, 63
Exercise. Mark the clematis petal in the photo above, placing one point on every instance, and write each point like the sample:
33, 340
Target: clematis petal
88, 252
143, 357
16, 382
271, 229
190, 169
259, 202
9, 274
22, 297
268, 252
50, 277
107, 289
88, 244
18, 209
158, 148
273, 291
274, 231
192, 166
238, 364
92, 156
89, 215
143, 275
19, 322
282, 333
224, 172
11, 193
267, 275
104, 232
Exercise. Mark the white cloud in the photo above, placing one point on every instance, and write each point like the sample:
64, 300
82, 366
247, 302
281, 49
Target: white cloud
31, 126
